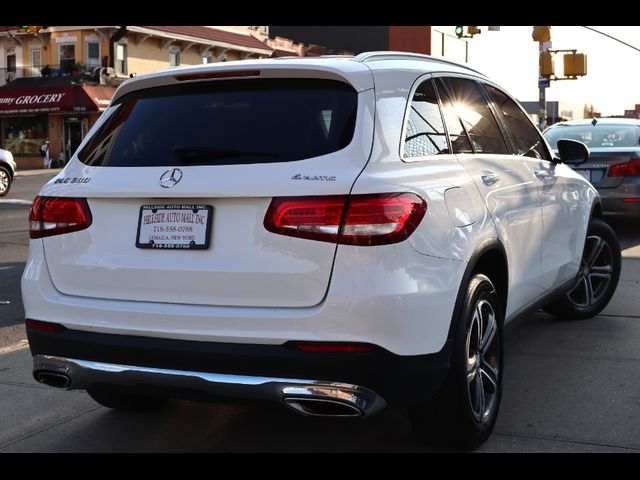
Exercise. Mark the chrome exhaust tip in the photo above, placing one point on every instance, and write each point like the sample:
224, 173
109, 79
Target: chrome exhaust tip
332, 400
317, 407
52, 379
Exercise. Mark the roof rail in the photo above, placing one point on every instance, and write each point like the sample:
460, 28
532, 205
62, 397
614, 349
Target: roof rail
289, 57
372, 56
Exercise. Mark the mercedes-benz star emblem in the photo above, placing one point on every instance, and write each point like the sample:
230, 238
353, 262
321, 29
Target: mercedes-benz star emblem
170, 178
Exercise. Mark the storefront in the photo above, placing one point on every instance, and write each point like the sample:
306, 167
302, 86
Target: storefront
61, 114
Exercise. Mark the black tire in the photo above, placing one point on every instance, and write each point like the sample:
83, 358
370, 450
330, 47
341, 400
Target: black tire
465, 410
5, 181
118, 400
598, 277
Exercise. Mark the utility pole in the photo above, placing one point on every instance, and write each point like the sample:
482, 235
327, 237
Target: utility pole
542, 35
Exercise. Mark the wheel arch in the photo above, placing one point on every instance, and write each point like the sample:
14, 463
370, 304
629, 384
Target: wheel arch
490, 259
596, 209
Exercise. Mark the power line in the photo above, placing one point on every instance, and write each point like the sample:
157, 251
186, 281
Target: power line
612, 38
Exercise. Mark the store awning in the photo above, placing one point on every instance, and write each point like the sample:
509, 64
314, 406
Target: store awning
54, 99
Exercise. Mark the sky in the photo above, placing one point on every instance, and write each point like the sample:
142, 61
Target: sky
612, 84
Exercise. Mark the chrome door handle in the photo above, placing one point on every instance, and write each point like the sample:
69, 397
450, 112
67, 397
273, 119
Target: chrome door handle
490, 179
541, 174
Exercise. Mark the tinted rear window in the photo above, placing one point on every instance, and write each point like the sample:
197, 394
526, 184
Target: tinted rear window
225, 123
595, 136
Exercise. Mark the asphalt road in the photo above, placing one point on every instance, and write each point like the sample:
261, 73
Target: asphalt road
14, 245
568, 387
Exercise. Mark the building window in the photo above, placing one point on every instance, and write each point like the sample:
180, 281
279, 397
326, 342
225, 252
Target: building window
67, 58
36, 62
93, 54
174, 58
11, 63
24, 136
120, 59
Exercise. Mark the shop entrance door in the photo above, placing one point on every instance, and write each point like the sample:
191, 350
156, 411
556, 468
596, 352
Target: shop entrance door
73, 135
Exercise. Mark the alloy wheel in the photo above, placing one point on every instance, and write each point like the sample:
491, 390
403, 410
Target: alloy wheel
4, 181
595, 275
483, 361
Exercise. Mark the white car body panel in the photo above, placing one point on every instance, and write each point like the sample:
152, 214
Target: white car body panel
514, 207
566, 202
371, 299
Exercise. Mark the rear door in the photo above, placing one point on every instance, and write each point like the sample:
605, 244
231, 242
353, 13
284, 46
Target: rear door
506, 183
212, 152
564, 212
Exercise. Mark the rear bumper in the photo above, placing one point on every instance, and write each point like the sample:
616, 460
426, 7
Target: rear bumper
232, 372
613, 200
296, 393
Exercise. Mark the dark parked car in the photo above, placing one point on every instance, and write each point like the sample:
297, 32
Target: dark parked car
614, 164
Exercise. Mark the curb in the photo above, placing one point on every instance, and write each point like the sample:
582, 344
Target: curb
42, 171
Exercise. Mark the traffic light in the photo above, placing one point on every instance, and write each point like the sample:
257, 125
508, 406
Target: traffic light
575, 64
541, 34
473, 31
546, 65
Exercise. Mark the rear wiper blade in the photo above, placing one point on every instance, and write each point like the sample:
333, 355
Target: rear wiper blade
202, 154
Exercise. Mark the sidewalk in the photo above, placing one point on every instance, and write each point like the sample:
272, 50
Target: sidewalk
39, 171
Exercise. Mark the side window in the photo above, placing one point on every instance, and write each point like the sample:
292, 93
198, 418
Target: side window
425, 133
459, 140
526, 138
476, 116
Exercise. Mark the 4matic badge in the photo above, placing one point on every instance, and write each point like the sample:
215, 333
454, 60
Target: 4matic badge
314, 178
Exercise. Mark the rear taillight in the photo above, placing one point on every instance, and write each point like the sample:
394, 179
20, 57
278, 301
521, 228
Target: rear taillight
377, 219
628, 169
56, 215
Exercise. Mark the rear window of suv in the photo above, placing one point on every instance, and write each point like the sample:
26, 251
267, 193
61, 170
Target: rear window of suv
595, 136
225, 123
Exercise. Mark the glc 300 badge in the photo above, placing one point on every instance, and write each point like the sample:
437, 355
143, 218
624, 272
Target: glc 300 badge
72, 180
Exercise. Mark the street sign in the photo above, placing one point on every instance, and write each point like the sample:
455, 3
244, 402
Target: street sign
544, 46
543, 82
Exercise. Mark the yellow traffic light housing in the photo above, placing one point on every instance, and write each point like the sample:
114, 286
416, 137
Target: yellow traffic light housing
546, 64
575, 64
541, 34
473, 30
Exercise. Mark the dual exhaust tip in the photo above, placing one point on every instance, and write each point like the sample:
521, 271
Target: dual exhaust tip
315, 407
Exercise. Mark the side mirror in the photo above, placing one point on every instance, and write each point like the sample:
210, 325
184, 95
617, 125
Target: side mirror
572, 151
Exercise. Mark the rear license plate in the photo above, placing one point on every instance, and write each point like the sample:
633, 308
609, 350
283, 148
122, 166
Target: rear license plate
174, 226
585, 173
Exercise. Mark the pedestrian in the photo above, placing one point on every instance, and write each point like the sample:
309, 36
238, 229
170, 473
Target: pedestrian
46, 156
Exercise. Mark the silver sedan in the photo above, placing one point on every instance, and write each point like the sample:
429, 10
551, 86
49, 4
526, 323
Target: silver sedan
614, 164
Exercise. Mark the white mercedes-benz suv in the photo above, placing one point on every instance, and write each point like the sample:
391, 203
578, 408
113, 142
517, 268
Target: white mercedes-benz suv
334, 234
